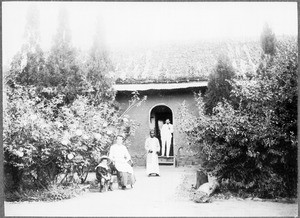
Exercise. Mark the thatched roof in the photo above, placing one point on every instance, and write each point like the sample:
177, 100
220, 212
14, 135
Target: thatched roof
183, 62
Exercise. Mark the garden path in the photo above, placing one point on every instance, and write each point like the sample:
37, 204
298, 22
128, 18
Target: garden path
151, 196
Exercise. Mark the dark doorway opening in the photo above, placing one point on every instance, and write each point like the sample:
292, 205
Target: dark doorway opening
158, 116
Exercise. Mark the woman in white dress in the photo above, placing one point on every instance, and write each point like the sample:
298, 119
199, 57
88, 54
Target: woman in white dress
121, 159
152, 147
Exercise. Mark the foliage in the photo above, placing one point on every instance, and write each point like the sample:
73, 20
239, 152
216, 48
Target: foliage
268, 44
253, 147
219, 85
59, 119
43, 141
28, 65
59, 68
268, 40
63, 69
98, 70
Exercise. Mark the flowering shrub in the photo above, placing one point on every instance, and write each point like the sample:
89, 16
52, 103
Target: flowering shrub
42, 140
60, 113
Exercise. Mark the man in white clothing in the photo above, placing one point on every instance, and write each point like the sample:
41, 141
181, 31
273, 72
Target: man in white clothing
152, 147
121, 159
166, 137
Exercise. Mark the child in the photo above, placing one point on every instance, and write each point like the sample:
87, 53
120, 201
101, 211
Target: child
103, 173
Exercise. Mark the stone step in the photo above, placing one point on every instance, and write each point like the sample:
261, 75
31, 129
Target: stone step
162, 160
170, 158
166, 164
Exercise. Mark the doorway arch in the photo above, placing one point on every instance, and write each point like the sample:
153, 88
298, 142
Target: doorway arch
157, 116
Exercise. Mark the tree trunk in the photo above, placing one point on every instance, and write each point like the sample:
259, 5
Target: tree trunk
201, 178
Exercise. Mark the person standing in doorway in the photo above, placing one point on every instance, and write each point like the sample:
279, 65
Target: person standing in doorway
166, 137
152, 147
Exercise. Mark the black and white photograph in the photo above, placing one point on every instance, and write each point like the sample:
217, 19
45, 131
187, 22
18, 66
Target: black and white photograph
149, 109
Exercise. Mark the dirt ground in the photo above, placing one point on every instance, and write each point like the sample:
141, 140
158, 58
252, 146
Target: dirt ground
151, 196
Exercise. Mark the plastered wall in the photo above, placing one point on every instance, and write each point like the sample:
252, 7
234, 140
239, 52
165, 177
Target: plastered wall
171, 99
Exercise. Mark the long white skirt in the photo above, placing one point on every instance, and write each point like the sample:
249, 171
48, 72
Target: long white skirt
123, 166
152, 163
125, 173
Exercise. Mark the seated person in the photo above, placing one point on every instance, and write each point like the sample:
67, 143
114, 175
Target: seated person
103, 173
121, 159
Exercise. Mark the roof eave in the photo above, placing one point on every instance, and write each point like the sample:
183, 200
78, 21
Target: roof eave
159, 86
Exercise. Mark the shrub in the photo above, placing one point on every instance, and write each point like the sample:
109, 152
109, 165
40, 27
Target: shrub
61, 113
253, 146
42, 140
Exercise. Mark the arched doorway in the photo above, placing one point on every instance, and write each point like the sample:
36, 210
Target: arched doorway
158, 116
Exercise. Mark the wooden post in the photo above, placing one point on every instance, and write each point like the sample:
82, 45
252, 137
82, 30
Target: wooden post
201, 178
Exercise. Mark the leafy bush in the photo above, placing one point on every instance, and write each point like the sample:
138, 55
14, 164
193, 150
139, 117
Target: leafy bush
60, 115
42, 140
254, 146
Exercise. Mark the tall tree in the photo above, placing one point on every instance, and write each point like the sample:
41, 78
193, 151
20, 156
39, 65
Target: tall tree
28, 64
268, 40
268, 44
32, 33
219, 86
63, 68
99, 67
